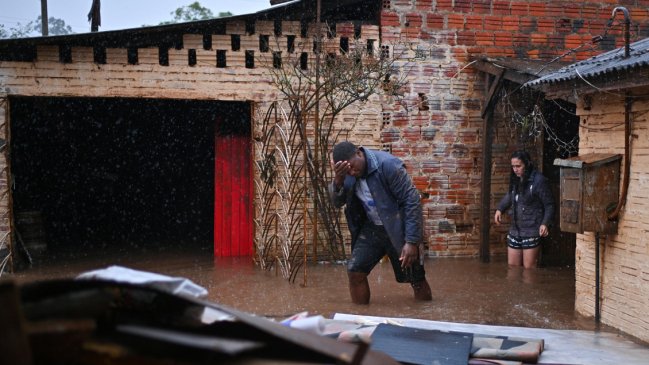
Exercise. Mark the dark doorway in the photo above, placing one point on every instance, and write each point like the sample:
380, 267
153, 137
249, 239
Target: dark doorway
116, 172
561, 141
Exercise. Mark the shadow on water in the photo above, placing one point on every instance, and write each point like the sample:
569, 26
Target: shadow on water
464, 289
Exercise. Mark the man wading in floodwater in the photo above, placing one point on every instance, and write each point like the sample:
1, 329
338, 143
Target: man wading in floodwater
384, 217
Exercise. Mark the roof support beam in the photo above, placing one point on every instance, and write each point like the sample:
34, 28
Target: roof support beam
510, 74
487, 142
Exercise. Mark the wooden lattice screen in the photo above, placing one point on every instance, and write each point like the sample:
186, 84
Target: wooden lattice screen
284, 195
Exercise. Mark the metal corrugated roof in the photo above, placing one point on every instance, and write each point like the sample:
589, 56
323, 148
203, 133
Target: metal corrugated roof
610, 61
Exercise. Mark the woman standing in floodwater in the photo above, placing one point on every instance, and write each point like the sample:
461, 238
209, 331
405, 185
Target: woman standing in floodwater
532, 205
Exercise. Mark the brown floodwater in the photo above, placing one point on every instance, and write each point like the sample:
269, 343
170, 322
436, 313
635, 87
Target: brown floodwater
464, 289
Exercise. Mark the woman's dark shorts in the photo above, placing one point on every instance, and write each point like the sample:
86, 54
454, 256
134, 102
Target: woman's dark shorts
521, 243
371, 245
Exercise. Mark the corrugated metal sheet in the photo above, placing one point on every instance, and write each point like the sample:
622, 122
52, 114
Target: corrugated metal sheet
605, 63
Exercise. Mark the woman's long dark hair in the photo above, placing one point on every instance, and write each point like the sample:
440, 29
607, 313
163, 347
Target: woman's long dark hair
514, 181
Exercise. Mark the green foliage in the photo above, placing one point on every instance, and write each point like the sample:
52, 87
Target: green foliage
33, 28
191, 12
55, 26
19, 31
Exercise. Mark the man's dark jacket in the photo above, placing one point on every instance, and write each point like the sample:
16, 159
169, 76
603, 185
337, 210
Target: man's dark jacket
397, 200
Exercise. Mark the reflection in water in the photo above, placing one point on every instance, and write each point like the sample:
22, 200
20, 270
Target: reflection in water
464, 290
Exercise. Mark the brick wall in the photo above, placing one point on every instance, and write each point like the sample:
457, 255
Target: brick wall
221, 72
434, 124
624, 267
441, 141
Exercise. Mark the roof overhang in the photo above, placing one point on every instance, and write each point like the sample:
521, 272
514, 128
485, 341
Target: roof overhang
618, 69
519, 71
613, 81
332, 11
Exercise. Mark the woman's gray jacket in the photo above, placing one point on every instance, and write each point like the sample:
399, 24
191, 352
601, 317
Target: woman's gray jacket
397, 200
531, 207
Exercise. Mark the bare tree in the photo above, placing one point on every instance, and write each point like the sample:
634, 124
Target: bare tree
319, 80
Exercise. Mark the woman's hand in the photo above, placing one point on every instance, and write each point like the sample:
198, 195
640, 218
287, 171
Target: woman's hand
497, 217
543, 230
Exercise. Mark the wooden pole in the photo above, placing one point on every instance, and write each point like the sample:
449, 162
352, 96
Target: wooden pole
597, 310
276, 253
44, 17
485, 191
487, 142
305, 200
316, 132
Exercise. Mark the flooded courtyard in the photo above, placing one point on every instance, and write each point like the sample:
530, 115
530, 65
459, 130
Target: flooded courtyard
464, 289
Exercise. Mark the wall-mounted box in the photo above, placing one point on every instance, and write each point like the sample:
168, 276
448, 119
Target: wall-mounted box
589, 192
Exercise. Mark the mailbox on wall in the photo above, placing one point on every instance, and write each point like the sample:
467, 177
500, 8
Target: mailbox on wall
589, 191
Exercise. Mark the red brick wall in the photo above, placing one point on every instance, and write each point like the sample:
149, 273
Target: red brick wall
441, 142
532, 29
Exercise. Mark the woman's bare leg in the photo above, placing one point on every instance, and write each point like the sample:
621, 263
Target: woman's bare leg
531, 257
514, 257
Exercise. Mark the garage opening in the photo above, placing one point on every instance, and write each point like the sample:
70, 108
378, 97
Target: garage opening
119, 173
